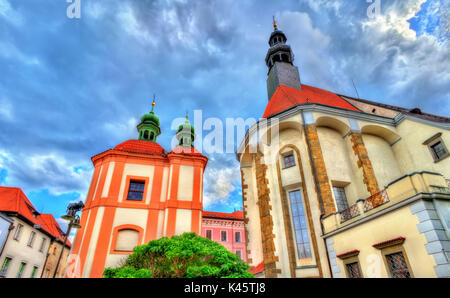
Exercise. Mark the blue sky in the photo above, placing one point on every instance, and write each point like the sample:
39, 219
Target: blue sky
72, 88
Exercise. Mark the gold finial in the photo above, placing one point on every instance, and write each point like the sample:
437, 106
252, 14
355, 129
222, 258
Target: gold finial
153, 103
275, 25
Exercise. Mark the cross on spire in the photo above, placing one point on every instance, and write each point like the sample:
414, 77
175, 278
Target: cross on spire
275, 25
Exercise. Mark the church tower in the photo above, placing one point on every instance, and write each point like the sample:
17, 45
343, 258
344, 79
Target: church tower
279, 60
139, 193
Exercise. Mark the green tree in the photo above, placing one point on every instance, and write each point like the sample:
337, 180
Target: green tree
187, 255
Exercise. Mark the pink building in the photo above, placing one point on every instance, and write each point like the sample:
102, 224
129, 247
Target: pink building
227, 229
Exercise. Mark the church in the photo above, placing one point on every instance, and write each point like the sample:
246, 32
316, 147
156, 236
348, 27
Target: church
138, 193
354, 188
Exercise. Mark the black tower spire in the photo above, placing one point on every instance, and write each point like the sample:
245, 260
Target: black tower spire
279, 60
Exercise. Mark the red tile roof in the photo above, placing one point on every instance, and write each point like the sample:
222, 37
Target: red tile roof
53, 227
239, 215
143, 147
258, 269
14, 200
287, 97
186, 150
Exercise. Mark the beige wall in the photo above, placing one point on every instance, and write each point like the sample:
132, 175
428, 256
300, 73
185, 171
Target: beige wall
253, 226
53, 255
387, 227
338, 161
383, 160
19, 251
186, 183
140, 171
93, 243
393, 152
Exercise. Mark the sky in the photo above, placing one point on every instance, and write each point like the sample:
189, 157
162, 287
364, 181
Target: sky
71, 88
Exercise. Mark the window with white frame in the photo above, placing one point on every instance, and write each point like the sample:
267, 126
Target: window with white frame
5, 266
41, 249
209, 234
237, 237
31, 239
21, 270
18, 232
223, 236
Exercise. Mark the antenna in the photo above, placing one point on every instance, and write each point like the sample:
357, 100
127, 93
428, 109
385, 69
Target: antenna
354, 86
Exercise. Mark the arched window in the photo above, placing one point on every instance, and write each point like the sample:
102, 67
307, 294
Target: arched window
146, 134
152, 136
127, 239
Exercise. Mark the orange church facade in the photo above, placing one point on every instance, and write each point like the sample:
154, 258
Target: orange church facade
139, 193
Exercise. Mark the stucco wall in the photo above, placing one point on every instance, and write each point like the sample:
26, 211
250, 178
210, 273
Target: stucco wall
389, 226
19, 251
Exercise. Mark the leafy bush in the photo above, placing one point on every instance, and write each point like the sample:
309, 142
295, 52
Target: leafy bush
187, 255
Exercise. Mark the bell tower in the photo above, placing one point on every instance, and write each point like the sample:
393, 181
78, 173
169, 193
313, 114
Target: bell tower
149, 128
279, 60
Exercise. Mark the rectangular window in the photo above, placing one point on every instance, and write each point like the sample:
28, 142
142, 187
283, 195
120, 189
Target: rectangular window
237, 237
31, 240
209, 234
397, 265
439, 150
353, 270
21, 269
223, 236
18, 232
136, 191
41, 249
5, 266
33, 273
289, 161
341, 198
300, 226
238, 253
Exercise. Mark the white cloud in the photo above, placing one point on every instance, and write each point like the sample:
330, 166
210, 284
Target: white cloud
51, 171
122, 130
219, 184
7, 12
396, 18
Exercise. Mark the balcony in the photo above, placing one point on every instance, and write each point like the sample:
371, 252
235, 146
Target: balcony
363, 206
407, 187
